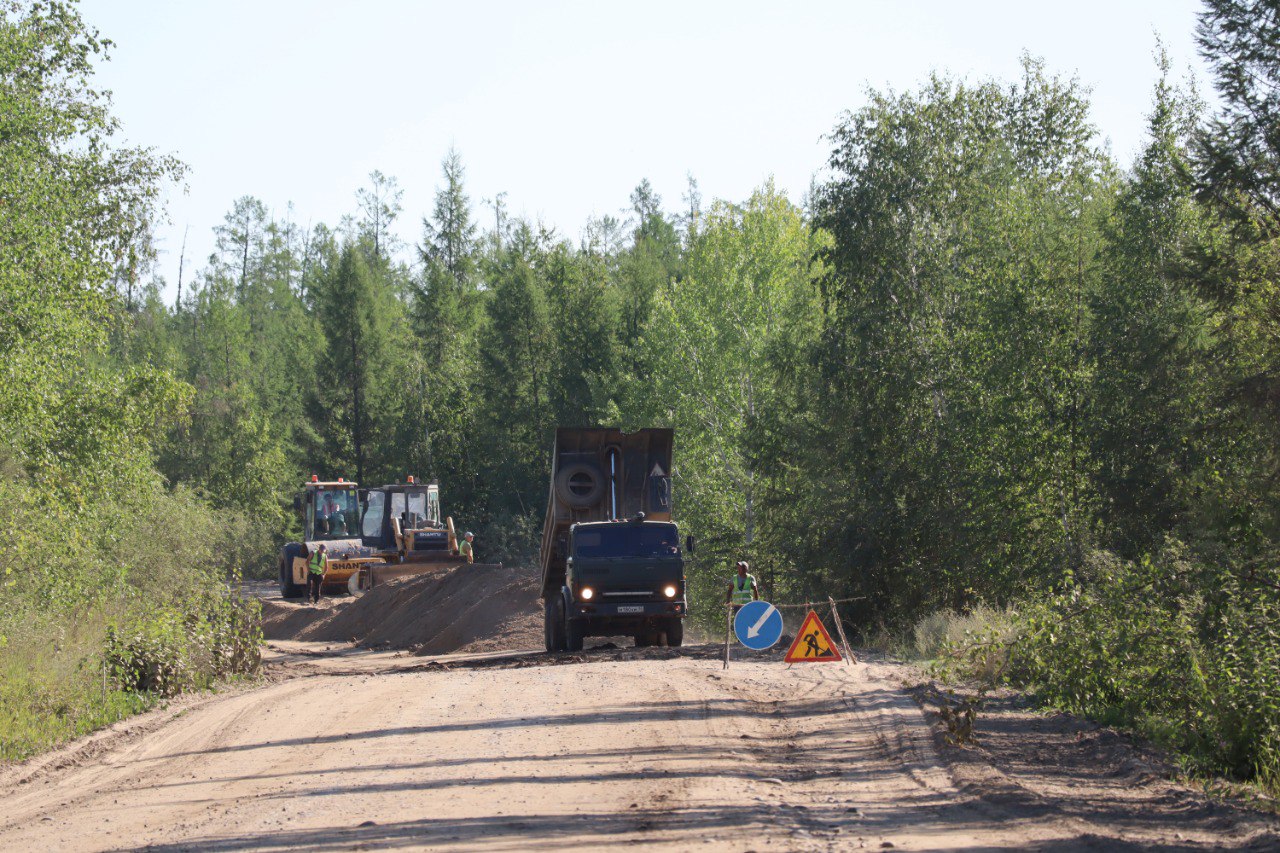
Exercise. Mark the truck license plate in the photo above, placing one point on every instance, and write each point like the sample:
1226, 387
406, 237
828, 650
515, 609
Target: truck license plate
631, 608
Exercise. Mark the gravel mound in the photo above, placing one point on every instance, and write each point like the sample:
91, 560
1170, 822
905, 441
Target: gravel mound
475, 608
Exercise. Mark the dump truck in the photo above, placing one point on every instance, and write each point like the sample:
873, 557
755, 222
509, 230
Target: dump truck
612, 560
370, 535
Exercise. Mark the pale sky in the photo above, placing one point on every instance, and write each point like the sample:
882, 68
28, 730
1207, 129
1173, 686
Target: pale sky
566, 106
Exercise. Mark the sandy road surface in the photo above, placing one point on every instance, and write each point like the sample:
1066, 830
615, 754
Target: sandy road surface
377, 750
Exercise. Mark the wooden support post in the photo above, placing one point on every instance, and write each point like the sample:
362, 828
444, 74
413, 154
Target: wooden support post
849, 659
728, 631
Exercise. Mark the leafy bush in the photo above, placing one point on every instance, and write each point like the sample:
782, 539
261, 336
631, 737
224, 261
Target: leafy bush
1184, 648
168, 651
150, 658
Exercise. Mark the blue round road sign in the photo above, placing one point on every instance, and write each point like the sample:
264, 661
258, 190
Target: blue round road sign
758, 625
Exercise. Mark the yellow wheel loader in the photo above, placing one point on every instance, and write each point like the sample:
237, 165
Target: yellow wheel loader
403, 524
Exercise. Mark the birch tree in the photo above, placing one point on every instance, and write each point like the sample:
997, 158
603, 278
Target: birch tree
748, 280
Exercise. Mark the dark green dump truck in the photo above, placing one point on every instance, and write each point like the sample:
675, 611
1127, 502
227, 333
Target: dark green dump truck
612, 559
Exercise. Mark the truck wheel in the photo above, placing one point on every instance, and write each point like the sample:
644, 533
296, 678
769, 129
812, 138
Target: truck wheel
675, 633
546, 626
553, 625
573, 633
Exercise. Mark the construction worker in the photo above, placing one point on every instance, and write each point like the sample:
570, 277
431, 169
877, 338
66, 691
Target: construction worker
338, 524
465, 548
742, 588
324, 515
317, 565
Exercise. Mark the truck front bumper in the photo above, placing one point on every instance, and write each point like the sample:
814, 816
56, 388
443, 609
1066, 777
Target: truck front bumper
635, 610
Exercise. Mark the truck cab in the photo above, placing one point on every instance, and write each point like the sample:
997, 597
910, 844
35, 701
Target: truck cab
626, 577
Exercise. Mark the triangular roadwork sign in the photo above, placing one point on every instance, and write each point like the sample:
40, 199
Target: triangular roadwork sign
812, 643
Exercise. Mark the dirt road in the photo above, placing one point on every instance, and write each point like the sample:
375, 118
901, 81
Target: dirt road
359, 750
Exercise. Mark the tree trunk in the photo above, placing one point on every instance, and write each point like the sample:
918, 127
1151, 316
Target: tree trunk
357, 424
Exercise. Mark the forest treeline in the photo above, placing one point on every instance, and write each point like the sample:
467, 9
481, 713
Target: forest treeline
984, 367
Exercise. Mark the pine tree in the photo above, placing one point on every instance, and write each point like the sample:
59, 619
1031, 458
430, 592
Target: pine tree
514, 381
1150, 399
652, 261
449, 258
440, 420
1239, 151
355, 313
379, 208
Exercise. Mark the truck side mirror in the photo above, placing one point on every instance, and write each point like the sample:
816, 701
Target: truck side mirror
689, 544
297, 503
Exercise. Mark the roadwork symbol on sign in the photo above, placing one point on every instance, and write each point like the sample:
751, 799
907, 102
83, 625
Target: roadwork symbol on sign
758, 625
812, 643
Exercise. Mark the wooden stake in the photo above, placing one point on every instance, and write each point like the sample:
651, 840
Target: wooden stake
849, 659
728, 630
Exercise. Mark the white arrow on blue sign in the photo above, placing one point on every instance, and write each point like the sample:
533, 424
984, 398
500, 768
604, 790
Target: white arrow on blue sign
758, 625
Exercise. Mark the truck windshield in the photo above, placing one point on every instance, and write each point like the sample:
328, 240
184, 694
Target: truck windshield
627, 540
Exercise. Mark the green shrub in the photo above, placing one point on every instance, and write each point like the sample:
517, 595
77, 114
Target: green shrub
1183, 648
149, 656
168, 651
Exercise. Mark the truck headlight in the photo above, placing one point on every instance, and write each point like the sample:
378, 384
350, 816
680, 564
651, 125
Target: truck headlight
585, 593
670, 591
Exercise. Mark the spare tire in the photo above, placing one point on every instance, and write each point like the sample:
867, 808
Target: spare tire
580, 485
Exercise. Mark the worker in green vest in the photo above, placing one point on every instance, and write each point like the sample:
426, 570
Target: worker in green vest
317, 565
743, 588
466, 549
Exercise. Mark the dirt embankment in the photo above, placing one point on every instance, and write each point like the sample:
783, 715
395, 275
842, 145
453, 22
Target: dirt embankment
459, 609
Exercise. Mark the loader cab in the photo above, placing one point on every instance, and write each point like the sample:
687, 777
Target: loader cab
404, 517
331, 511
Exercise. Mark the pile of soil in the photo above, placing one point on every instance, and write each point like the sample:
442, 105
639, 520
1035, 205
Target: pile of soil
473, 608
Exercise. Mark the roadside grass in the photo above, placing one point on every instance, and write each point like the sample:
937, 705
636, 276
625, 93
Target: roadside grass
944, 641
975, 652
103, 615
986, 633
63, 678
49, 697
